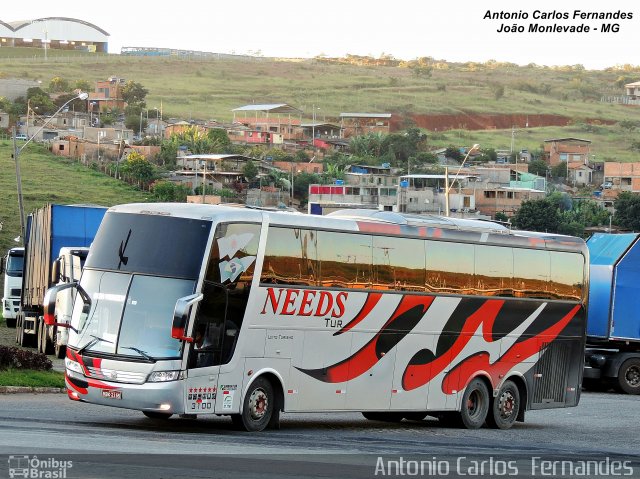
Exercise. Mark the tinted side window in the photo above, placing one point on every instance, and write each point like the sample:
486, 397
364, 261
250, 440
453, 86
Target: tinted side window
398, 263
493, 270
531, 273
290, 257
345, 260
450, 267
233, 254
567, 275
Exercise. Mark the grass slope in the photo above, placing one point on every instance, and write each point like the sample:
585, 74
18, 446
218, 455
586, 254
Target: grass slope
51, 179
211, 88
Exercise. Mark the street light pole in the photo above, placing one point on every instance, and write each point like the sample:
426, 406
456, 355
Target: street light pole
446, 197
17, 151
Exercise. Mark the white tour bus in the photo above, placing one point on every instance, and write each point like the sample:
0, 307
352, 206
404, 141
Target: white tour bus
200, 309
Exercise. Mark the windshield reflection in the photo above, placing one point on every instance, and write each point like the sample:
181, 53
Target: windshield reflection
129, 315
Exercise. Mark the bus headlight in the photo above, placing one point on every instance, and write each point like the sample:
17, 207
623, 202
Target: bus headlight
163, 376
74, 366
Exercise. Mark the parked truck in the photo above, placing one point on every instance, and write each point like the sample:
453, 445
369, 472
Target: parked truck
57, 235
11, 266
613, 328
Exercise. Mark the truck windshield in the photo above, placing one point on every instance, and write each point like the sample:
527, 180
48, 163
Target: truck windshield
129, 314
15, 264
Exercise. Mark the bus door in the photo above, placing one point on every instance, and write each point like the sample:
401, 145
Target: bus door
214, 340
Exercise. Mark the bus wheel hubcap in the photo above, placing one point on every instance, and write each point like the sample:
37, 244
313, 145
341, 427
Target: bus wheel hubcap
258, 403
507, 403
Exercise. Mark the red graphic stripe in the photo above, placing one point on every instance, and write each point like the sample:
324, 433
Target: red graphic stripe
71, 385
370, 303
458, 378
417, 375
367, 357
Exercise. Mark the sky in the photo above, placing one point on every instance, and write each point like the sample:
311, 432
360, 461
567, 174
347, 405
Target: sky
453, 30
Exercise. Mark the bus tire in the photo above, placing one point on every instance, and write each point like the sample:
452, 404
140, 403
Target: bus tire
505, 407
258, 407
628, 380
475, 404
11, 322
383, 416
157, 415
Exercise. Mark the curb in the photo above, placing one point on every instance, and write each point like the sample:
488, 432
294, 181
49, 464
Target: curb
30, 389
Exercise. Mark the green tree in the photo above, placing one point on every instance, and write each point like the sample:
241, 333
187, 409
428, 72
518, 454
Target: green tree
559, 170
538, 167
538, 215
134, 123
301, 185
59, 85
500, 216
627, 207
83, 85
197, 142
167, 191
134, 93
220, 136
250, 171
138, 170
454, 153
40, 101
498, 90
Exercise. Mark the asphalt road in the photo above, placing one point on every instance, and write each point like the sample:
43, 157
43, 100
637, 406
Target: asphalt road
109, 442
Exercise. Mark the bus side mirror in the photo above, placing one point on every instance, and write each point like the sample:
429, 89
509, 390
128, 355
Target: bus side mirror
4, 258
181, 315
55, 271
50, 304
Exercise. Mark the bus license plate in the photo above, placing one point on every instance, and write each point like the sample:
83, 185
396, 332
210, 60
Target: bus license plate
112, 394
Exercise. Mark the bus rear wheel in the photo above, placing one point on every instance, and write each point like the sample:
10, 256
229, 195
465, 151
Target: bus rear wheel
504, 407
258, 407
475, 405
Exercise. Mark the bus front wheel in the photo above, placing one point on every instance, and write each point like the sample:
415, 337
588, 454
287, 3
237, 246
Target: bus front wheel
258, 407
504, 407
475, 405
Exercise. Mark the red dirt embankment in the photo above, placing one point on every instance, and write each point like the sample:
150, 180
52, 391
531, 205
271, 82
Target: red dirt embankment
479, 121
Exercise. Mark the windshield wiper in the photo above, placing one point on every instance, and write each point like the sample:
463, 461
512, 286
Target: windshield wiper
92, 342
140, 352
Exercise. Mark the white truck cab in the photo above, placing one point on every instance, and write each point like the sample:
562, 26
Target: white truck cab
12, 264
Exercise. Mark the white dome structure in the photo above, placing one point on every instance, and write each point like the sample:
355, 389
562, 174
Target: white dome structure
54, 32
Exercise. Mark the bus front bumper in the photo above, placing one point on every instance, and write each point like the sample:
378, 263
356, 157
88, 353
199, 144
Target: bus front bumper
165, 397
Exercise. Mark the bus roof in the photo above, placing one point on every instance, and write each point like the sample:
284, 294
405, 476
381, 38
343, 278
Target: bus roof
368, 221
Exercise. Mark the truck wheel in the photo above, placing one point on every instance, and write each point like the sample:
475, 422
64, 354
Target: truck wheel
475, 405
258, 406
629, 376
504, 407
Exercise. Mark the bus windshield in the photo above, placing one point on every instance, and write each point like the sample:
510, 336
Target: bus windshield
137, 268
15, 263
129, 314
